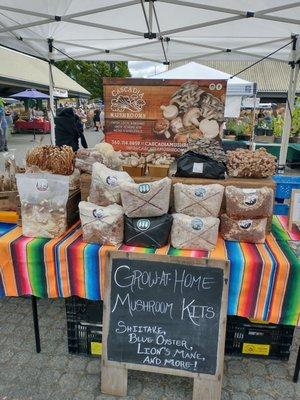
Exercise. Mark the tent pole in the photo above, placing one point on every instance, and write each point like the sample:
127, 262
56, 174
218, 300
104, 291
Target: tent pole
288, 110
51, 87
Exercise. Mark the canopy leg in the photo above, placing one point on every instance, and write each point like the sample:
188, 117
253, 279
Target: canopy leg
289, 107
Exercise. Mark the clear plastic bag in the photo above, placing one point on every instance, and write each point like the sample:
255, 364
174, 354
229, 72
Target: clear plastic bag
103, 225
198, 200
43, 204
194, 232
149, 199
249, 203
243, 230
105, 186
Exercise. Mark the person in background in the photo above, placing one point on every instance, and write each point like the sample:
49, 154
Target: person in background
9, 119
97, 119
3, 128
69, 129
102, 119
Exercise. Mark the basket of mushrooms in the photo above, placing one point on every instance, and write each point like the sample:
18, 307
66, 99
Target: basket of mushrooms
133, 163
158, 165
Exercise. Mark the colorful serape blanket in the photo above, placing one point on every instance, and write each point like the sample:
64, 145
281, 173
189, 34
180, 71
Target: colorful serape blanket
264, 278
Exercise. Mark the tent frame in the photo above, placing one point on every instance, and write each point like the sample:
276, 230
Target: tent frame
235, 14
162, 36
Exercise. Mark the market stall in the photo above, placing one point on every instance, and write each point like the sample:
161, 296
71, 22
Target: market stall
36, 125
171, 193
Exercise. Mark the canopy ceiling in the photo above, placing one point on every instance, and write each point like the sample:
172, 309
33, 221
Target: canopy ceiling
160, 31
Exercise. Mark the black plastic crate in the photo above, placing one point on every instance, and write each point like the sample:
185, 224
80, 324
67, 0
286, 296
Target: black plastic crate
258, 339
84, 325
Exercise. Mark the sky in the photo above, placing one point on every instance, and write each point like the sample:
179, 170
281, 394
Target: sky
144, 69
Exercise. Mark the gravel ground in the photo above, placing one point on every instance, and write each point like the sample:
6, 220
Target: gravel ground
56, 375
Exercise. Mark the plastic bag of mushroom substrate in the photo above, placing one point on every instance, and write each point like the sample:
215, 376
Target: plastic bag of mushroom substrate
105, 183
243, 230
103, 225
43, 204
147, 232
194, 232
198, 200
249, 203
195, 165
149, 199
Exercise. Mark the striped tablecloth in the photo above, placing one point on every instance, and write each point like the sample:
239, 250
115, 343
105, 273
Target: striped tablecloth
264, 278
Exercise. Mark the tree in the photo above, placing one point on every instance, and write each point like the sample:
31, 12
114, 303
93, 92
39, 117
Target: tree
90, 74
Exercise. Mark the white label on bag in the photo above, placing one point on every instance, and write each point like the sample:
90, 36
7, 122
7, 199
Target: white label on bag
112, 181
143, 224
198, 168
42, 185
98, 213
245, 223
200, 192
250, 200
249, 191
197, 224
144, 188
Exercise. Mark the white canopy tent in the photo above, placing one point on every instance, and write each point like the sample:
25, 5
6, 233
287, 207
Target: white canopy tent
159, 31
30, 72
236, 87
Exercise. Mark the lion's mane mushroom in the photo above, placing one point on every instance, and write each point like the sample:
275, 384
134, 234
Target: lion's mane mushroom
161, 127
169, 112
209, 128
191, 117
175, 125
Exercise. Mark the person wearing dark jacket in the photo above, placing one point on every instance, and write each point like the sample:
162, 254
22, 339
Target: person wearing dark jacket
68, 129
97, 119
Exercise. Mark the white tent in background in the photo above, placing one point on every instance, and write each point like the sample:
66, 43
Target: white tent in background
236, 87
156, 30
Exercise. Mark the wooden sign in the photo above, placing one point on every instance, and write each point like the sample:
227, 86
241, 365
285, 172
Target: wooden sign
144, 114
294, 213
166, 315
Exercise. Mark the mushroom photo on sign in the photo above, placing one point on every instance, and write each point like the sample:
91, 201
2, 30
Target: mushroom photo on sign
191, 113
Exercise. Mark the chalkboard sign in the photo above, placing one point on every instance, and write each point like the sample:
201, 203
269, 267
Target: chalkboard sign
164, 314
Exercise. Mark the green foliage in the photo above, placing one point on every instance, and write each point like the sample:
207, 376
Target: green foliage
278, 123
90, 74
295, 129
237, 127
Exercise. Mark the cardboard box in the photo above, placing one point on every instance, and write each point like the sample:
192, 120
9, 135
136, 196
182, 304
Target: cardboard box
135, 171
160, 171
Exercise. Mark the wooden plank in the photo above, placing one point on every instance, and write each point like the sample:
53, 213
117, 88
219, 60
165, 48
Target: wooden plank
206, 387
114, 380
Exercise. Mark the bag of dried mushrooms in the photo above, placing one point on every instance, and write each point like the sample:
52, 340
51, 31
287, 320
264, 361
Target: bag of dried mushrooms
105, 185
103, 225
198, 200
194, 233
43, 204
149, 199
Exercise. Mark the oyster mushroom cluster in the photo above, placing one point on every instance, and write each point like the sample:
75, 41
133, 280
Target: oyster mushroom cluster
190, 109
133, 159
159, 159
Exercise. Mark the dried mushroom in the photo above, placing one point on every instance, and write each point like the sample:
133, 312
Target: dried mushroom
132, 159
54, 159
244, 163
160, 159
208, 147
